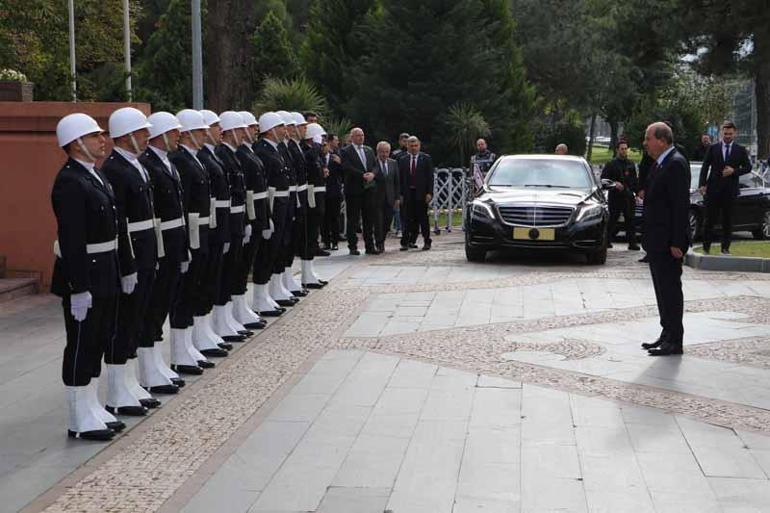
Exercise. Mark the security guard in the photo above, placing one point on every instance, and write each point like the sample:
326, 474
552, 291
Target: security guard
484, 158
257, 215
272, 131
138, 253
154, 374
86, 272
205, 339
622, 198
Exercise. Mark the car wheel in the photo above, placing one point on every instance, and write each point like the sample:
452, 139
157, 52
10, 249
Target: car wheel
763, 232
695, 225
475, 254
598, 257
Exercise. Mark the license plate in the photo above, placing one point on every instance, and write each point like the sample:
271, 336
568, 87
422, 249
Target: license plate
534, 233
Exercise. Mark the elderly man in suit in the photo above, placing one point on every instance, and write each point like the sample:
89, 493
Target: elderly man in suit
358, 162
727, 160
666, 234
388, 193
416, 175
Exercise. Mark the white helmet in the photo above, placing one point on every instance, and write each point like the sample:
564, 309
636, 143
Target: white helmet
209, 117
315, 132
191, 120
299, 119
127, 120
74, 126
230, 120
268, 121
287, 118
248, 117
162, 122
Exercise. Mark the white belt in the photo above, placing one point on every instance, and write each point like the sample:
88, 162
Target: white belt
292, 188
170, 225
203, 220
301, 188
140, 226
260, 195
321, 188
281, 194
237, 209
98, 247
222, 203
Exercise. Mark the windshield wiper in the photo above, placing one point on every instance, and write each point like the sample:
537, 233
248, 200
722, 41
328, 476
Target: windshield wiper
546, 185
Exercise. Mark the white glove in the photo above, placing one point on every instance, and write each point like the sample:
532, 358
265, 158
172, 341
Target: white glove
184, 267
225, 248
268, 232
247, 234
128, 283
79, 305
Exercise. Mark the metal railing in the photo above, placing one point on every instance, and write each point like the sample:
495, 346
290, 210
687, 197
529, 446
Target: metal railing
450, 193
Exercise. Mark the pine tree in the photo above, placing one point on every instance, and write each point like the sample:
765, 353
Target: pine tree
273, 54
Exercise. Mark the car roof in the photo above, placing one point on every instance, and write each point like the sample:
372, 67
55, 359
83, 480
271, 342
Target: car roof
568, 158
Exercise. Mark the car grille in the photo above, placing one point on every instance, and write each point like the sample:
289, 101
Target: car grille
531, 215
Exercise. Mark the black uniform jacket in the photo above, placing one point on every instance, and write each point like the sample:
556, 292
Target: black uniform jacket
86, 214
254, 176
237, 187
134, 202
195, 189
275, 166
220, 191
623, 171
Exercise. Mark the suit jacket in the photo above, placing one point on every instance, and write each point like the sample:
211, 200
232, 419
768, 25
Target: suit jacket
716, 184
220, 191
389, 186
666, 205
423, 179
167, 198
335, 178
133, 200
354, 169
85, 214
237, 188
623, 171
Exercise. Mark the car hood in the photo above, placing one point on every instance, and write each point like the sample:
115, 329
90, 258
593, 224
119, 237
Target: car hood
567, 197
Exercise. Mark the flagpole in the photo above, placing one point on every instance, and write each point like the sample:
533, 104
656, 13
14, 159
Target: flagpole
197, 56
73, 76
127, 48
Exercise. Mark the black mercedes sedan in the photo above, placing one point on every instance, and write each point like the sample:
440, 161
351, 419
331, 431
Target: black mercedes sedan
538, 202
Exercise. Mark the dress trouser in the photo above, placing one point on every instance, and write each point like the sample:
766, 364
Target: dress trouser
192, 298
87, 340
414, 216
316, 218
361, 208
248, 257
270, 250
385, 212
300, 236
282, 237
132, 309
212, 281
626, 206
717, 204
231, 261
666, 274
331, 224
165, 291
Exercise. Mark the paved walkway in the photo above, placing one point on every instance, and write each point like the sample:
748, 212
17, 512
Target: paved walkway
421, 383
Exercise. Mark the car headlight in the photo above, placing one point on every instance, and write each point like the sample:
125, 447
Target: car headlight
589, 212
482, 209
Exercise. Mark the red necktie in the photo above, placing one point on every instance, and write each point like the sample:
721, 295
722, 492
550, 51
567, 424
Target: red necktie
414, 165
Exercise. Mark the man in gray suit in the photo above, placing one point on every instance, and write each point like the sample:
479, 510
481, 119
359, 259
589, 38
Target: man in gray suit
388, 193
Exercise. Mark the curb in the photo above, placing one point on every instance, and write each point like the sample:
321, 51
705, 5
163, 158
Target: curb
727, 263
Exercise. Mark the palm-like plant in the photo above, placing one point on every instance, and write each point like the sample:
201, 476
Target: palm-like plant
296, 94
337, 126
464, 124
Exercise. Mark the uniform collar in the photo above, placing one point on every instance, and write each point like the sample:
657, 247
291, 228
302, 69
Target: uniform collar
129, 156
163, 154
90, 166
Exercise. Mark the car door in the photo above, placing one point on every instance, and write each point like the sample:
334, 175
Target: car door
748, 209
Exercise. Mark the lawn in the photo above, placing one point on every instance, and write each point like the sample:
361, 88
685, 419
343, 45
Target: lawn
457, 218
602, 155
743, 249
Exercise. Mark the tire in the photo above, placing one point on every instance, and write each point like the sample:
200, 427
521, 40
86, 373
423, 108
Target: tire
475, 254
598, 257
695, 225
763, 232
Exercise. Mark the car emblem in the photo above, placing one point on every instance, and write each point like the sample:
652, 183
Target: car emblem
534, 234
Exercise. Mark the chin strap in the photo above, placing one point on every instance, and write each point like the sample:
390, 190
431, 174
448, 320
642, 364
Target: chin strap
135, 145
194, 140
85, 150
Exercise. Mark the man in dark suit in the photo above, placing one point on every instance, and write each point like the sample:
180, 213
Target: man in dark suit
388, 192
416, 175
622, 199
333, 162
666, 234
358, 166
703, 147
727, 160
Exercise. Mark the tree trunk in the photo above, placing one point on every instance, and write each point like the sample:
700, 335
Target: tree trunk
591, 132
762, 92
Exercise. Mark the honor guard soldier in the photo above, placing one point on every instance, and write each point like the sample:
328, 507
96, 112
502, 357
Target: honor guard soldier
196, 196
138, 254
311, 146
86, 271
225, 324
622, 197
257, 216
205, 339
272, 130
154, 374
301, 244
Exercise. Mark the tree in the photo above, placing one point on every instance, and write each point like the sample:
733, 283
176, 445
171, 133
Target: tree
273, 53
464, 124
293, 95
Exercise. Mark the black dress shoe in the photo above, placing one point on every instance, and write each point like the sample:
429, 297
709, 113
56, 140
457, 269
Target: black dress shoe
413, 245
666, 350
258, 325
372, 251
283, 302
404, 248
193, 370
300, 293
205, 364
271, 313
355, 252
100, 435
233, 338
130, 411
323, 282
652, 345
118, 425
314, 286
725, 251
215, 352
246, 333
178, 382
226, 346
426, 247
149, 403
322, 253
645, 259
164, 389
609, 245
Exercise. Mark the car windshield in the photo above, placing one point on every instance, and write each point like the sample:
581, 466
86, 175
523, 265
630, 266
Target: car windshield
561, 174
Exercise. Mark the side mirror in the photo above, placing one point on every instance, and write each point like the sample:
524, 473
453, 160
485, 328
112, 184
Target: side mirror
607, 184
